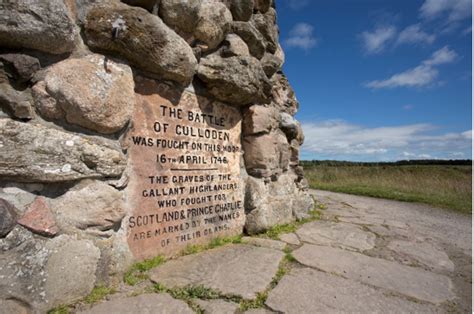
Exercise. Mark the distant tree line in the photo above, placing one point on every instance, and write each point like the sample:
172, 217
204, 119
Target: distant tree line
420, 162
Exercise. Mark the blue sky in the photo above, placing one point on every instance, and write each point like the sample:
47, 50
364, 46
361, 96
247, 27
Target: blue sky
380, 80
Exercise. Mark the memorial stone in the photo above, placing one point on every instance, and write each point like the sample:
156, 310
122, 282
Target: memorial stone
131, 129
185, 186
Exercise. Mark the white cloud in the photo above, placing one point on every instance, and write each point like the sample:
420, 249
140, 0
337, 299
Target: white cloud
297, 4
422, 75
408, 107
376, 41
301, 36
441, 56
455, 10
413, 34
336, 139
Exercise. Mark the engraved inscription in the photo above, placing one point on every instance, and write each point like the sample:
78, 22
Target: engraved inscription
185, 171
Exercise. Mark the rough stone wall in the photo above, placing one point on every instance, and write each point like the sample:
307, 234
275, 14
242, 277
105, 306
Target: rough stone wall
68, 71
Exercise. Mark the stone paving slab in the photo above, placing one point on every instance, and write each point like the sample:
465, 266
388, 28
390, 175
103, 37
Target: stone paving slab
373, 220
161, 303
336, 234
290, 238
310, 291
217, 306
242, 270
269, 243
424, 252
406, 280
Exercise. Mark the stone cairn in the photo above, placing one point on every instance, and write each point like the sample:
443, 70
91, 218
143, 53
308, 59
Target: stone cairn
71, 75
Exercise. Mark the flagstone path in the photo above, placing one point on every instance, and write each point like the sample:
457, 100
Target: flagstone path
364, 255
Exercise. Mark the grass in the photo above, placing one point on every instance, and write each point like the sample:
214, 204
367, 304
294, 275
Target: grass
261, 298
215, 242
438, 185
275, 231
138, 272
98, 293
62, 309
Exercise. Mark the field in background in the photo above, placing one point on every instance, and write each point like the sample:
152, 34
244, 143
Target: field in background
447, 186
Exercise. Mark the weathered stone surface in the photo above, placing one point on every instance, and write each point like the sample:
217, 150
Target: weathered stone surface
35, 153
245, 261
259, 119
410, 281
289, 125
283, 95
8, 216
336, 234
180, 15
99, 216
234, 46
266, 25
44, 274
213, 23
374, 220
13, 306
197, 174
145, 303
271, 64
269, 243
302, 201
252, 38
16, 103
71, 269
309, 291
440, 225
20, 195
148, 5
39, 218
424, 252
141, 38
104, 104
272, 203
263, 5
40, 25
236, 80
242, 9
217, 306
266, 154
21, 66
258, 311
290, 238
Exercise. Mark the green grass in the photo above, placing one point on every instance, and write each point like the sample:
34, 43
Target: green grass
275, 231
188, 292
261, 298
62, 309
138, 272
438, 185
215, 242
98, 293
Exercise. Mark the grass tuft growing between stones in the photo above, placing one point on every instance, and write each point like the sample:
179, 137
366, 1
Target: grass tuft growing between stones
62, 309
190, 293
137, 273
98, 293
215, 242
275, 231
259, 301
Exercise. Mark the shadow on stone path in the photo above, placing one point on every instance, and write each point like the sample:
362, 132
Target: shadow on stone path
364, 255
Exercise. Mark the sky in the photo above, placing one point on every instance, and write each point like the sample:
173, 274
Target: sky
380, 80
